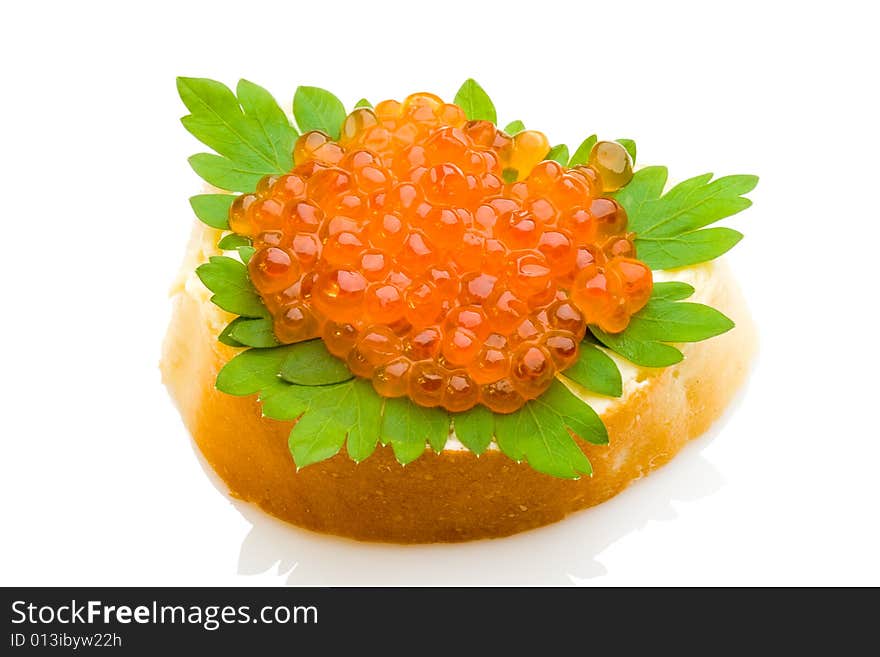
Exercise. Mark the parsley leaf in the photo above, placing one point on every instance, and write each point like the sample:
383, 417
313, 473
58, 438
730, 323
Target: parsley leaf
577, 416
672, 291
251, 371
475, 428
287, 401
538, 433
646, 184
259, 105
250, 133
668, 227
364, 420
582, 154
226, 174
559, 154
354, 413
310, 364
317, 436
596, 371
307, 364
213, 209
232, 241
252, 332
514, 127
664, 320
228, 280
363, 102
318, 109
407, 426
686, 249
475, 102
245, 252
226, 334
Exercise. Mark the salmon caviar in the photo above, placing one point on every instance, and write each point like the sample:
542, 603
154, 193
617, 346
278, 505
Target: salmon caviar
441, 258
612, 163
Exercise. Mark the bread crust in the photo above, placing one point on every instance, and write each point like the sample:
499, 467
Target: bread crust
454, 495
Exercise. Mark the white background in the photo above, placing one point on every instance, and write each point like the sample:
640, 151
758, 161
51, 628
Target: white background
99, 481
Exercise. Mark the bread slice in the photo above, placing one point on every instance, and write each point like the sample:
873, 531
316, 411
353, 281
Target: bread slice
454, 495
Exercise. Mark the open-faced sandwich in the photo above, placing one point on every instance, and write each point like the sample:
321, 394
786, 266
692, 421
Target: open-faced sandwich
407, 324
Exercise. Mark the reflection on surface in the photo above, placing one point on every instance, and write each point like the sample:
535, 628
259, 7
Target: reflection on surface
563, 553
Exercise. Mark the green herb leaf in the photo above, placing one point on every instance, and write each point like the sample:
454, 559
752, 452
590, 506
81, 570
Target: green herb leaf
364, 419
245, 253
475, 102
232, 241
693, 204
363, 102
514, 127
286, 401
226, 334
646, 353
259, 105
672, 291
576, 415
475, 428
310, 364
251, 371
646, 185
538, 434
559, 154
317, 436
253, 332
250, 131
351, 411
596, 371
225, 173
318, 109
681, 322
660, 321
667, 227
228, 280
630, 147
582, 154
304, 363
408, 426
213, 209
688, 248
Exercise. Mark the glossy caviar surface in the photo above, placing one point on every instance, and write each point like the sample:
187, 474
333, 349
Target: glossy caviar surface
404, 249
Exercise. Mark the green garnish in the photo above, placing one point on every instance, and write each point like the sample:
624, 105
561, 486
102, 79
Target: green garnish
475, 102
317, 109
559, 154
670, 228
250, 133
232, 241
227, 278
596, 371
213, 209
582, 154
514, 127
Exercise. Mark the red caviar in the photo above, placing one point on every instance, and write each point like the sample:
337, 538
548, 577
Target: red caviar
440, 257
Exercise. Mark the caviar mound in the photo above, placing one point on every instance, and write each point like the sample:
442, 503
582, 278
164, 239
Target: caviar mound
441, 258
